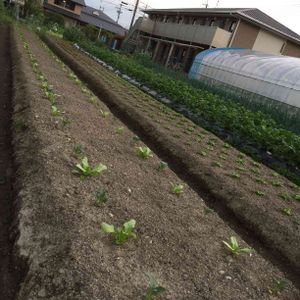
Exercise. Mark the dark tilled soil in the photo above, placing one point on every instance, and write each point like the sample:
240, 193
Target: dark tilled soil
179, 239
9, 274
234, 180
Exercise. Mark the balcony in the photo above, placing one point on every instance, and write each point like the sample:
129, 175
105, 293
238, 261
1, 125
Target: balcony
207, 35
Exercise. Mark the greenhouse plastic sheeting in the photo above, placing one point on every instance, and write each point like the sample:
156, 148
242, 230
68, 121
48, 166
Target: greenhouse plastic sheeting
267, 75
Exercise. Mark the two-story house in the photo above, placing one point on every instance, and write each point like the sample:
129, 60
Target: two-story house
173, 37
76, 13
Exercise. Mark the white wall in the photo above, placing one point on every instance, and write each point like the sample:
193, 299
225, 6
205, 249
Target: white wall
267, 42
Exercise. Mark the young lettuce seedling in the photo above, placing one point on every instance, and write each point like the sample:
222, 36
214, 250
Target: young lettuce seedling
144, 152
234, 247
77, 149
85, 170
120, 130
55, 111
101, 197
177, 189
162, 166
104, 114
153, 288
121, 235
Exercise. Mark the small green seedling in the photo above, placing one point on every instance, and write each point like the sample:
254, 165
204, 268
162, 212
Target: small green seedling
277, 183
202, 153
104, 114
285, 197
227, 146
177, 189
101, 197
259, 193
121, 235
297, 197
85, 170
217, 164
120, 130
235, 175
260, 180
77, 149
55, 111
153, 288
287, 211
279, 285
234, 247
162, 166
241, 161
144, 152
93, 100
208, 210
136, 138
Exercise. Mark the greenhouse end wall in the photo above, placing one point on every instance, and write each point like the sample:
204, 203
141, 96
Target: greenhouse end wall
262, 81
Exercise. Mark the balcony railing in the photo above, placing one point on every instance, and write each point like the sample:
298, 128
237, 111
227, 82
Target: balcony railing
208, 35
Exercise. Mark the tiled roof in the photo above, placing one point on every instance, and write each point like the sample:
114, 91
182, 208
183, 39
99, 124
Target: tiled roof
97, 18
91, 16
80, 2
253, 15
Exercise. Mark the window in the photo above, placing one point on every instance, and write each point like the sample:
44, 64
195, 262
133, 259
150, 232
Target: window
232, 26
65, 3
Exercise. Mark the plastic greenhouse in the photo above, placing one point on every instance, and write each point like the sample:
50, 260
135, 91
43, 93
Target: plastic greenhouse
255, 76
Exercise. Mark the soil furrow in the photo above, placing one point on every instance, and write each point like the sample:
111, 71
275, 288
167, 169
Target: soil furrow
9, 273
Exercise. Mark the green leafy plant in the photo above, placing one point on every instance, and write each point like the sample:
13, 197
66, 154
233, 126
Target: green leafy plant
55, 111
144, 152
121, 235
235, 175
287, 211
234, 247
279, 285
136, 138
217, 164
297, 197
101, 197
85, 170
285, 197
260, 193
104, 114
162, 166
120, 130
177, 189
153, 288
77, 149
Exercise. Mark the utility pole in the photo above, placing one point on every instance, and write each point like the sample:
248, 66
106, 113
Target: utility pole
206, 4
144, 10
134, 13
119, 11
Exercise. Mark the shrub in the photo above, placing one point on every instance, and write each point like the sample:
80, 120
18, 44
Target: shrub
73, 34
52, 18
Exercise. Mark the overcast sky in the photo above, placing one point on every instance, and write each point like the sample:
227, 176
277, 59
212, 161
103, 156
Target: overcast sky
285, 11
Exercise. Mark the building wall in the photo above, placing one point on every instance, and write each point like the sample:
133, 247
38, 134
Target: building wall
76, 11
245, 35
267, 42
291, 49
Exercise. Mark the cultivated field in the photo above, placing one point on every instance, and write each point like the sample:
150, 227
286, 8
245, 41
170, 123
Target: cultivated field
187, 196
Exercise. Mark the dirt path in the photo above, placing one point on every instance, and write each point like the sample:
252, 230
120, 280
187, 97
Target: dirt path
8, 273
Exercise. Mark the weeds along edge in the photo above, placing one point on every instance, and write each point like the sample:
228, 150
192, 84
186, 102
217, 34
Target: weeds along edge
281, 243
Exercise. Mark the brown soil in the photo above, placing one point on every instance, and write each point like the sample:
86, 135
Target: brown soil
235, 181
178, 238
9, 272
